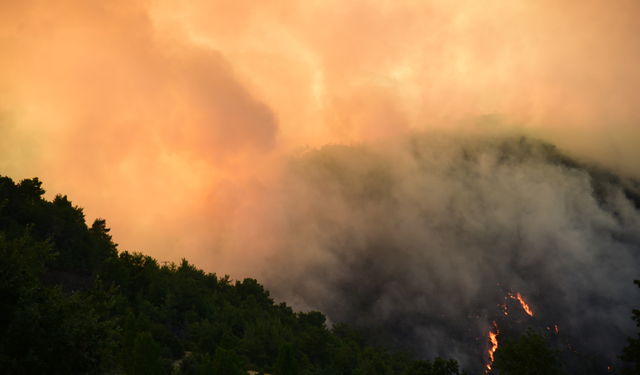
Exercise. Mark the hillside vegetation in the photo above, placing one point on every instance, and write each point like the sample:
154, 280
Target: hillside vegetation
73, 304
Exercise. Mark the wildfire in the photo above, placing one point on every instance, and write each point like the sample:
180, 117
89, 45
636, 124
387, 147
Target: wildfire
524, 304
494, 342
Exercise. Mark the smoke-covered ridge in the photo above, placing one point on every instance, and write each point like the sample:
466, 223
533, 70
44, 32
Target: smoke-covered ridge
419, 240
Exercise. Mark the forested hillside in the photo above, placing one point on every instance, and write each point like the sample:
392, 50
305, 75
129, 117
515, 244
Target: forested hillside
73, 304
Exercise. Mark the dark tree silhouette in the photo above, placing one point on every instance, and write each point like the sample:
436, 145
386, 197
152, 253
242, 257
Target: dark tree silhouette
206, 366
631, 353
43, 330
528, 355
286, 364
129, 334
439, 366
146, 356
226, 362
56, 318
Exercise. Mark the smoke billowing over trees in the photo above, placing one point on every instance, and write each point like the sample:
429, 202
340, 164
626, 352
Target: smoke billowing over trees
422, 239
421, 246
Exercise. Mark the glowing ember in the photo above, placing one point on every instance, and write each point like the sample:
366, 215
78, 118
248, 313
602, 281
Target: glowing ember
494, 343
524, 305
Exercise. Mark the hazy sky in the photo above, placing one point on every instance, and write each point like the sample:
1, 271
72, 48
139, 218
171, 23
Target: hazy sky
171, 119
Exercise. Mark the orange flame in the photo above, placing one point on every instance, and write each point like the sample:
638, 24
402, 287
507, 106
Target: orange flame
524, 304
494, 342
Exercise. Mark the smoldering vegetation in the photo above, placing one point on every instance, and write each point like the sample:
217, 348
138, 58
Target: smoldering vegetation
418, 241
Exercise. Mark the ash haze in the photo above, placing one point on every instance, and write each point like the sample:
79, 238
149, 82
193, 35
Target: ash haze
186, 126
425, 237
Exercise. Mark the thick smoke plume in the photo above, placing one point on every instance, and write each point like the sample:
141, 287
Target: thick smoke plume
422, 239
172, 121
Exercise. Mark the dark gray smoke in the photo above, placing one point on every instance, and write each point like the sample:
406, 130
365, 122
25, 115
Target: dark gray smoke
418, 240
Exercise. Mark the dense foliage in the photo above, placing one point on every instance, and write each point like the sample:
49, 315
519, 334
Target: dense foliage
527, 355
73, 304
81, 250
631, 353
439, 366
42, 330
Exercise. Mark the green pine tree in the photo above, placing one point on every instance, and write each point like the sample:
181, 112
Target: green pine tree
286, 364
128, 341
528, 355
226, 362
143, 325
631, 353
439, 366
146, 356
206, 366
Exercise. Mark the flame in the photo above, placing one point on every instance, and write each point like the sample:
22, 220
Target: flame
494, 341
556, 329
524, 304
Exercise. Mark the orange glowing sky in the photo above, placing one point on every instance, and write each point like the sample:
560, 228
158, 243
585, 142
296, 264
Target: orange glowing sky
170, 119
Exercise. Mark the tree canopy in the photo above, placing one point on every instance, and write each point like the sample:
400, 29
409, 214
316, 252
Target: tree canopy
528, 355
631, 353
74, 304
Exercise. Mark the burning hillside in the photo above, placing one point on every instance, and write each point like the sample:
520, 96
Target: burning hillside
428, 240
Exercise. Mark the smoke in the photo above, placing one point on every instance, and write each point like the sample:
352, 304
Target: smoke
175, 122
420, 239
171, 120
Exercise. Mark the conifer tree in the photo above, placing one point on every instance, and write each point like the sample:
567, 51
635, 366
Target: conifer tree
128, 341
226, 362
631, 353
132, 328
439, 366
146, 356
143, 325
529, 355
206, 366
286, 364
